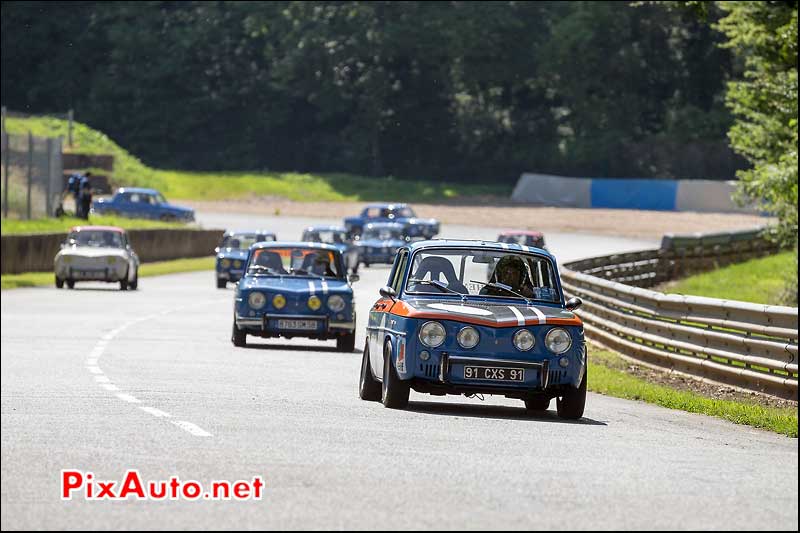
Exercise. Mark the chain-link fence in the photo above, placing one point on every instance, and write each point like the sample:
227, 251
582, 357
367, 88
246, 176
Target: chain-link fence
32, 175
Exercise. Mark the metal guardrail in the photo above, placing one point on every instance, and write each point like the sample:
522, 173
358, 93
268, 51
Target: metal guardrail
735, 343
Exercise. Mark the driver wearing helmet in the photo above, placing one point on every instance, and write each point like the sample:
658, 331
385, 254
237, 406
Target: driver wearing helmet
512, 271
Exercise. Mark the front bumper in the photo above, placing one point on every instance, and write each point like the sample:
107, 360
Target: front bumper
230, 275
265, 326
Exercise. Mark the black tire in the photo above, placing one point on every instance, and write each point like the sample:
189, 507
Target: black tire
222, 283
133, 285
394, 392
168, 218
123, 283
70, 283
572, 403
346, 343
366, 265
368, 387
59, 283
537, 405
238, 337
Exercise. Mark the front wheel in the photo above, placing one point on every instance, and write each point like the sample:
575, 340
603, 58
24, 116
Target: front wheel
394, 392
346, 343
133, 285
59, 283
239, 336
572, 403
221, 283
70, 283
368, 387
123, 283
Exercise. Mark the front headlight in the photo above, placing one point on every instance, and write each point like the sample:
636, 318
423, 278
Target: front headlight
314, 302
279, 301
67, 258
468, 337
111, 260
256, 300
432, 334
558, 340
336, 303
237, 264
226, 263
524, 340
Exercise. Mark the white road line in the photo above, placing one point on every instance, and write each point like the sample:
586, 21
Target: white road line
94, 369
155, 412
102, 379
191, 428
128, 398
109, 386
92, 361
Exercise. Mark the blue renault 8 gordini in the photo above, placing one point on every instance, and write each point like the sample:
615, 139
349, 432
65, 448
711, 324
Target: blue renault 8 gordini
295, 290
232, 253
379, 242
337, 236
475, 317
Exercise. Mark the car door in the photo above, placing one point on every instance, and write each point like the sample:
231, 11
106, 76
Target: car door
378, 314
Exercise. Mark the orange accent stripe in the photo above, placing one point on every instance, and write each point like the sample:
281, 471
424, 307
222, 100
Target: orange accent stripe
405, 310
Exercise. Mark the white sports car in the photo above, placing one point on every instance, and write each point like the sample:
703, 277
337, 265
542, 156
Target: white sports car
97, 253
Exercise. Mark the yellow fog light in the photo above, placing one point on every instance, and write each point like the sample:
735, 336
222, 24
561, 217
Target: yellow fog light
226, 263
237, 264
278, 301
111, 260
67, 259
314, 303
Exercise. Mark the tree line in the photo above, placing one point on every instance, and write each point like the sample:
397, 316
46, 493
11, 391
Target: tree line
463, 91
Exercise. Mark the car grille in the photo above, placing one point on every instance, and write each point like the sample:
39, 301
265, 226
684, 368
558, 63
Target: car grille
429, 370
556, 376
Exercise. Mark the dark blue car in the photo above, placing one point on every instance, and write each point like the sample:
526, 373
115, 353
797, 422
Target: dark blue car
295, 290
379, 243
232, 253
336, 236
475, 317
414, 227
135, 202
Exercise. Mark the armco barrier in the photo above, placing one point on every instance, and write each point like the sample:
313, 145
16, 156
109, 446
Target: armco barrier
736, 343
35, 253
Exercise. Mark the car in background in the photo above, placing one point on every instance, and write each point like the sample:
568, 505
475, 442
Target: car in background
295, 290
475, 317
335, 236
416, 228
379, 242
136, 202
232, 253
523, 237
97, 253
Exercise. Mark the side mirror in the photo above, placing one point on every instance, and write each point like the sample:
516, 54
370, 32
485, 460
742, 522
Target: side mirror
388, 292
573, 303
352, 278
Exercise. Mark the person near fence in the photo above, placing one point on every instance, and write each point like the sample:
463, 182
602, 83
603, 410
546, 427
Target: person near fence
75, 184
84, 203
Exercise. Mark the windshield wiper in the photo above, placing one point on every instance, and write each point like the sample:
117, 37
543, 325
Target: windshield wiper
307, 273
439, 285
504, 287
269, 270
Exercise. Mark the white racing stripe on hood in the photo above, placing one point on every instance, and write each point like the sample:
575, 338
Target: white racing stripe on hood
542, 318
520, 318
324, 286
311, 286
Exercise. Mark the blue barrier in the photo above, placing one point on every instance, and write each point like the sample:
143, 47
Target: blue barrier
658, 195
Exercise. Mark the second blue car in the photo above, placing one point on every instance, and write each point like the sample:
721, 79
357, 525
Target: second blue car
232, 253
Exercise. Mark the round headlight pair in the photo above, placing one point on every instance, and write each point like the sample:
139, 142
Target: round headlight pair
336, 303
557, 340
432, 334
256, 300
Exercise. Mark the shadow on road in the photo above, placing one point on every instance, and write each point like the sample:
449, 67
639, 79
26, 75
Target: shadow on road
296, 348
495, 411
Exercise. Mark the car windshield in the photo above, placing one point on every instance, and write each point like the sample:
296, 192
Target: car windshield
383, 234
326, 236
159, 198
243, 241
291, 261
403, 212
483, 273
95, 238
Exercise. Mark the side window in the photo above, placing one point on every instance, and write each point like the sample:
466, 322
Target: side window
126, 197
134, 198
372, 212
399, 270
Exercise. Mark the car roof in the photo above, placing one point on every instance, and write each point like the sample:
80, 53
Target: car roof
523, 232
483, 244
325, 228
141, 190
293, 244
391, 206
230, 232
384, 225
97, 228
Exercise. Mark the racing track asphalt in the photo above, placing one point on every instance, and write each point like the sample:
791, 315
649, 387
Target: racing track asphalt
104, 381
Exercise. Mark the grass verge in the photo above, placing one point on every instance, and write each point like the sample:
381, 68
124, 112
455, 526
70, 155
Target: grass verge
760, 281
607, 377
159, 268
62, 225
176, 184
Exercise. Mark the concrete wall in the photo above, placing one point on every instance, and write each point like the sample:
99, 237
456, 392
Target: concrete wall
35, 253
652, 194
